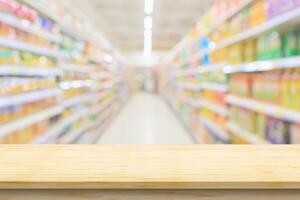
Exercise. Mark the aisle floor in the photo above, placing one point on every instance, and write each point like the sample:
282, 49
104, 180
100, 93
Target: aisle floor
146, 119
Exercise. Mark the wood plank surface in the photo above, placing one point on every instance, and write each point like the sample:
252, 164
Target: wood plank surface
150, 166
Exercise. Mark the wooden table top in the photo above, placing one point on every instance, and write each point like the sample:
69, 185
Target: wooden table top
150, 166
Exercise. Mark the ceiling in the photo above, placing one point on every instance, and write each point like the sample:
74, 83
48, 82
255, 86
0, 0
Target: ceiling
121, 21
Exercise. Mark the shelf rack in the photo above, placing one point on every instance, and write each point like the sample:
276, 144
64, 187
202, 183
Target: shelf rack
252, 138
27, 97
29, 120
266, 108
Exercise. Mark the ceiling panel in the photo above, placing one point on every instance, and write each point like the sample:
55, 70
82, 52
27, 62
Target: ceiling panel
121, 21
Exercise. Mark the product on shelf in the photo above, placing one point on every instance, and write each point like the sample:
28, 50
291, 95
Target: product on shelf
30, 133
16, 85
14, 112
295, 134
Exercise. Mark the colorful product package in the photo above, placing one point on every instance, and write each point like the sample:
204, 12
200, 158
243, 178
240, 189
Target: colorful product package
277, 131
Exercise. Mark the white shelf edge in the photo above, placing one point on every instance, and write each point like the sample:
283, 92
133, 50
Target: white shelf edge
77, 68
65, 85
77, 100
219, 87
259, 66
27, 97
22, 70
189, 86
266, 108
218, 109
248, 136
29, 120
22, 46
200, 69
219, 132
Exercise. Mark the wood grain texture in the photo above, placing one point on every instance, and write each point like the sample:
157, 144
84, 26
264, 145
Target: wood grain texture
149, 194
149, 167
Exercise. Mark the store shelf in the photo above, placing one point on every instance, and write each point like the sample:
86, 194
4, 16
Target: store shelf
260, 66
27, 27
249, 137
215, 129
219, 87
229, 15
77, 100
101, 124
102, 106
283, 19
74, 134
11, 70
29, 120
76, 84
268, 109
51, 13
218, 109
77, 68
22, 46
200, 70
187, 72
190, 86
28, 97
107, 85
101, 76
59, 128
102, 95
102, 116
207, 86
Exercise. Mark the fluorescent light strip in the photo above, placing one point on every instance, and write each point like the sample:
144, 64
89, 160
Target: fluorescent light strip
148, 22
148, 33
149, 5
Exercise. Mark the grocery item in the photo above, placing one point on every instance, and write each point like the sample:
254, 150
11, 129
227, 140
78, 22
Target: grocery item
295, 134
277, 131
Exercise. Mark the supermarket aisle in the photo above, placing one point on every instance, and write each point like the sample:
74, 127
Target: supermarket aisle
146, 119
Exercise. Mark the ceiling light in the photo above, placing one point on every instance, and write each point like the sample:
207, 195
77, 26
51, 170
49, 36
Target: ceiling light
148, 22
147, 46
148, 33
149, 5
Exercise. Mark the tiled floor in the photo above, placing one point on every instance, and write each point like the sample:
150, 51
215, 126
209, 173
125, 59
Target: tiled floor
146, 119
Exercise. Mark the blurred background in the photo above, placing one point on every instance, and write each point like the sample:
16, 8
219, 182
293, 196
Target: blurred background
150, 72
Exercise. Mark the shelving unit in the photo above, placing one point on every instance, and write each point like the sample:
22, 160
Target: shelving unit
208, 81
250, 137
8, 70
268, 109
59, 128
285, 19
29, 120
81, 89
27, 97
22, 46
216, 130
